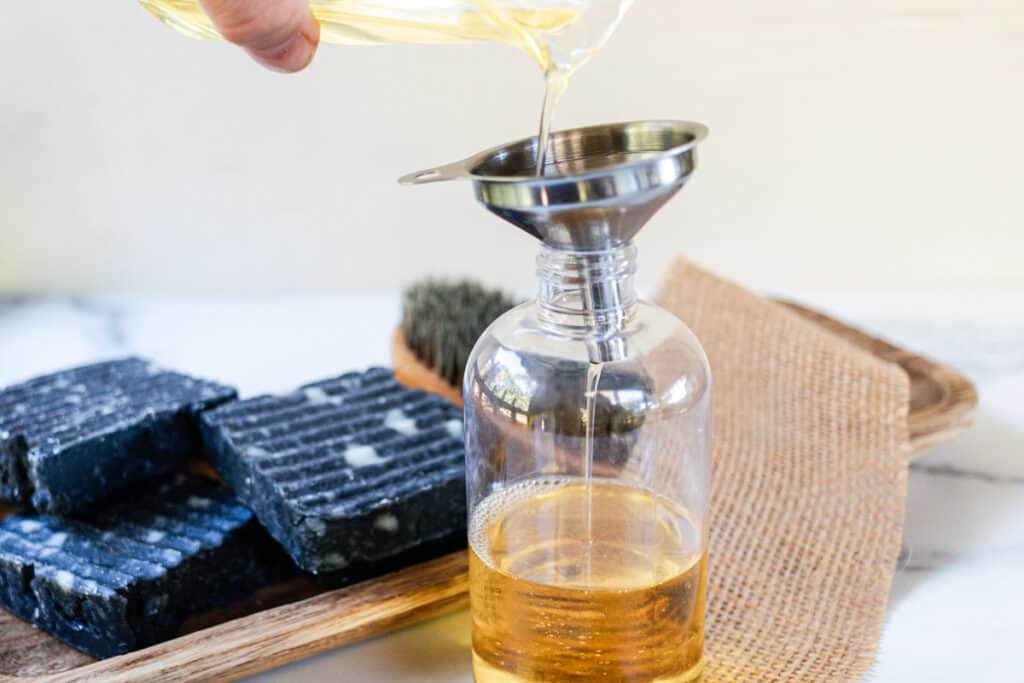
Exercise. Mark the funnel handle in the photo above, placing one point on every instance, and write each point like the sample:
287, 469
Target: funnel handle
435, 175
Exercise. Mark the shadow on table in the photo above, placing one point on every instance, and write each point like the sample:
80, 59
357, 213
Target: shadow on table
958, 497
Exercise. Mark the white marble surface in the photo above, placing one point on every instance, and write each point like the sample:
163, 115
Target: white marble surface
957, 607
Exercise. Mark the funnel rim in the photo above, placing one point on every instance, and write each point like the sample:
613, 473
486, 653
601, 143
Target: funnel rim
613, 178
697, 131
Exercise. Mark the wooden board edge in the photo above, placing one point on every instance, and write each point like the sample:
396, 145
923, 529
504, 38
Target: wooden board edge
286, 634
942, 421
929, 425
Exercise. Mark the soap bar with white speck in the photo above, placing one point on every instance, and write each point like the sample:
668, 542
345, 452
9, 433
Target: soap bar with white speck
73, 437
347, 472
128, 578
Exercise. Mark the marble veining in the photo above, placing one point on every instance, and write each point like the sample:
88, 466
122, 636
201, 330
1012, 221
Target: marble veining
111, 315
951, 471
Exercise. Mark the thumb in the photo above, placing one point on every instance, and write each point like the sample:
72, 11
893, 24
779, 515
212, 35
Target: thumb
279, 34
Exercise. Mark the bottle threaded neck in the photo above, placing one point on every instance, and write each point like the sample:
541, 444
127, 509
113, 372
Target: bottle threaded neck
587, 293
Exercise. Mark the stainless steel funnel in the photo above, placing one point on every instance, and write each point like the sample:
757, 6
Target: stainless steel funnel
600, 185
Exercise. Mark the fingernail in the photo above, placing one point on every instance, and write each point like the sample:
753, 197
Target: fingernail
295, 54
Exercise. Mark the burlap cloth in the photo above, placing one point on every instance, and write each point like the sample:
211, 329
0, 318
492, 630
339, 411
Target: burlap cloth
810, 451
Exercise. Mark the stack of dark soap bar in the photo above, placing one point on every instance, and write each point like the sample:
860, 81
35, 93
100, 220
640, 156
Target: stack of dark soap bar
128, 577
346, 473
71, 438
355, 477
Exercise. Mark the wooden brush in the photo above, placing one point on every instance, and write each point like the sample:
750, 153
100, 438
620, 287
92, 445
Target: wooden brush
441, 322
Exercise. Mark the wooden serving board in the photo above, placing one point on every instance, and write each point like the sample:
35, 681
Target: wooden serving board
942, 401
293, 620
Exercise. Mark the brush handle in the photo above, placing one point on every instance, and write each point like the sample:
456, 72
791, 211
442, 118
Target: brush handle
411, 372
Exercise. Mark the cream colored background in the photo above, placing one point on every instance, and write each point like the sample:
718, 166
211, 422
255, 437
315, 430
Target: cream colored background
874, 142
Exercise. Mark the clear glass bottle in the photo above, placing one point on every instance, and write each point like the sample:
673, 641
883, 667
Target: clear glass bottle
587, 433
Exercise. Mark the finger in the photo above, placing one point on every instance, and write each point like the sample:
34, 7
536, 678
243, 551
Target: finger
279, 34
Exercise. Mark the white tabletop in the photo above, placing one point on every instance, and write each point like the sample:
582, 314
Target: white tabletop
956, 612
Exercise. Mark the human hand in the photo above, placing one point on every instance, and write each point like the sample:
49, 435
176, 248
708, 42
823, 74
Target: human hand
279, 34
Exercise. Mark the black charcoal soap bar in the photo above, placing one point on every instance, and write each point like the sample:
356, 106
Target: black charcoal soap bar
73, 437
347, 471
129, 577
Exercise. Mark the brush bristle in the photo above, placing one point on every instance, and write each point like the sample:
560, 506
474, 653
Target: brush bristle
441, 322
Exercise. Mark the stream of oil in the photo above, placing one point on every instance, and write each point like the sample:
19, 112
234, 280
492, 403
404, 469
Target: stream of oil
556, 83
593, 379
556, 74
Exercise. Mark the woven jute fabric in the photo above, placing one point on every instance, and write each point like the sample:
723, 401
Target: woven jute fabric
810, 453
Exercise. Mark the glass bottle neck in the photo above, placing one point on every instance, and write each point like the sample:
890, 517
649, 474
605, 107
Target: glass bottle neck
587, 293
